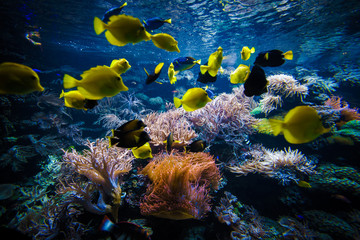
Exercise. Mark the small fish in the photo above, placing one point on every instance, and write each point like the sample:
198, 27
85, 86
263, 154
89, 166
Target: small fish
18, 79
124, 230
155, 23
172, 73
131, 139
256, 83
165, 41
120, 65
122, 29
246, 52
273, 58
303, 184
131, 125
210, 93
169, 142
196, 146
206, 78
241, 73
112, 12
97, 83
341, 198
301, 124
193, 99
73, 99
185, 63
152, 77
214, 63
142, 152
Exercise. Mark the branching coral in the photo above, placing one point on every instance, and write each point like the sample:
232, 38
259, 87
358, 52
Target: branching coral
103, 167
173, 121
346, 114
226, 117
283, 165
180, 185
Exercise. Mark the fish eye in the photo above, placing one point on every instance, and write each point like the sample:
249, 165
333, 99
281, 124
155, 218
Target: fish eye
33, 78
118, 78
142, 28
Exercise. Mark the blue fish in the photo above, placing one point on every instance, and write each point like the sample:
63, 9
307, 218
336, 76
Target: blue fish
185, 63
112, 12
210, 93
154, 23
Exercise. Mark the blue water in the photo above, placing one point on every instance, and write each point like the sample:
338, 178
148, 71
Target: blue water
323, 35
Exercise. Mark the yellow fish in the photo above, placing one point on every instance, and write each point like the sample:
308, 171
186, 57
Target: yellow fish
73, 99
214, 63
122, 29
165, 41
303, 184
240, 74
246, 52
301, 124
120, 65
172, 73
97, 83
18, 79
142, 152
193, 99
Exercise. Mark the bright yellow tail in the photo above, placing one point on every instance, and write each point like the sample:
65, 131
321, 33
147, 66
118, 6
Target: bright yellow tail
69, 81
177, 102
168, 20
252, 50
288, 55
203, 69
276, 126
99, 25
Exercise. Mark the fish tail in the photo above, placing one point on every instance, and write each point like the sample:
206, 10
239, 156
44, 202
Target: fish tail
288, 55
125, 4
177, 102
198, 62
112, 141
252, 50
146, 72
168, 20
69, 81
203, 69
276, 126
99, 25
106, 224
62, 94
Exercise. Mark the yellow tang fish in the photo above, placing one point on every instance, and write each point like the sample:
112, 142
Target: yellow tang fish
172, 73
301, 124
18, 79
303, 184
120, 65
73, 99
240, 74
165, 41
122, 29
193, 99
97, 83
142, 152
214, 63
246, 52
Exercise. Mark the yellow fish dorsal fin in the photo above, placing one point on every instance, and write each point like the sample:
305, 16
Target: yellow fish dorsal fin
62, 94
288, 55
113, 63
159, 67
168, 20
146, 72
95, 69
266, 56
252, 50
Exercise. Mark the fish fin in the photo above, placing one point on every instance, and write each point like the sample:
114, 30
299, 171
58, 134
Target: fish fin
110, 141
212, 73
158, 82
113, 63
168, 20
177, 102
125, 4
198, 61
159, 67
276, 126
203, 69
188, 109
176, 72
112, 40
69, 81
266, 56
99, 25
221, 70
146, 72
173, 80
252, 50
106, 224
62, 94
288, 55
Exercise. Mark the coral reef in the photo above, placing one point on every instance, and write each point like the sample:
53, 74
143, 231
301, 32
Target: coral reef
226, 117
284, 165
336, 179
180, 185
103, 167
346, 113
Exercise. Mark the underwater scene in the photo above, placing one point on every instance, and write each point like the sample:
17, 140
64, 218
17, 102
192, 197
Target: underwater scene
183, 119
